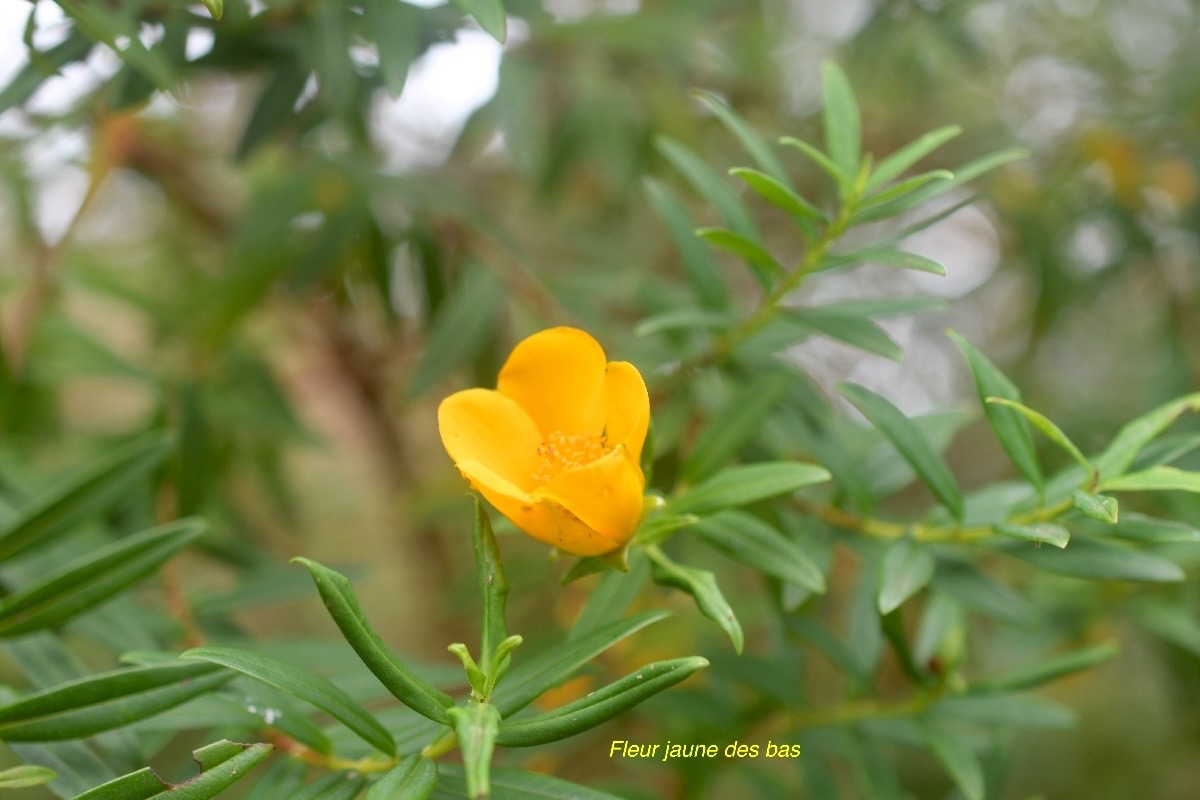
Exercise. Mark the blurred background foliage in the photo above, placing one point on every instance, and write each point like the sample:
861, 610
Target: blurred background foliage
286, 235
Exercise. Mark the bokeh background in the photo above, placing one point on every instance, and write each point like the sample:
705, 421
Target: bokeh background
260, 256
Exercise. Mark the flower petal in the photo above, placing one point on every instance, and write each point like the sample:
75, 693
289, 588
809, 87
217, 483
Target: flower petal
540, 517
557, 376
605, 494
484, 426
628, 407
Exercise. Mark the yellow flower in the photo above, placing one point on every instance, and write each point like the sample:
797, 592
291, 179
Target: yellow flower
556, 446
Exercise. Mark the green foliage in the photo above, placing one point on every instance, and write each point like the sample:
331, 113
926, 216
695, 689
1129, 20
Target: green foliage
283, 296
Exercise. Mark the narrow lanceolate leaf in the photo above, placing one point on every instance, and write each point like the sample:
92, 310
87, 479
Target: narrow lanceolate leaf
489, 14
398, 679
1097, 506
702, 586
1130, 440
461, 328
338, 786
1047, 532
597, 707
959, 760
910, 443
1139, 527
1155, 479
659, 527
854, 330
755, 145
710, 185
529, 680
44, 64
397, 28
907, 569
106, 701
475, 725
1100, 559
493, 586
216, 8
777, 194
24, 776
739, 486
840, 176
90, 491
729, 430
697, 259
516, 784
685, 319
414, 778
886, 256
843, 129
1042, 672
1007, 424
750, 540
304, 685
221, 763
766, 269
83, 584
884, 198
894, 165
1051, 431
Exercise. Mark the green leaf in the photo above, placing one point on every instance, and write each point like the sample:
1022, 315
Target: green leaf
1135, 435
659, 527
103, 25
897, 192
41, 66
526, 682
515, 784
755, 145
24, 776
272, 111
1048, 428
1007, 424
1051, 669
910, 443
728, 431
105, 701
338, 786
396, 28
697, 260
677, 319
894, 165
85, 583
982, 593
854, 330
1047, 532
887, 256
750, 540
464, 324
216, 8
90, 491
907, 568
347, 614
915, 198
1140, 527
414, 778
475, 725
766, 269
612, 596
739, 486
493, 587
843, 129
959, 760
1101, 560
709, 184
777, 193
598, 706
840, 177
1096, 506
702, 586
489, 14
1155, 479
222, 764
302, 684
1007, 710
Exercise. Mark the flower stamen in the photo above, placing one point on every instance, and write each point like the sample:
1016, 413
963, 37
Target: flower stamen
561, 452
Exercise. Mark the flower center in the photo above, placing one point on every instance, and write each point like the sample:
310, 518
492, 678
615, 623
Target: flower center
561, 452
